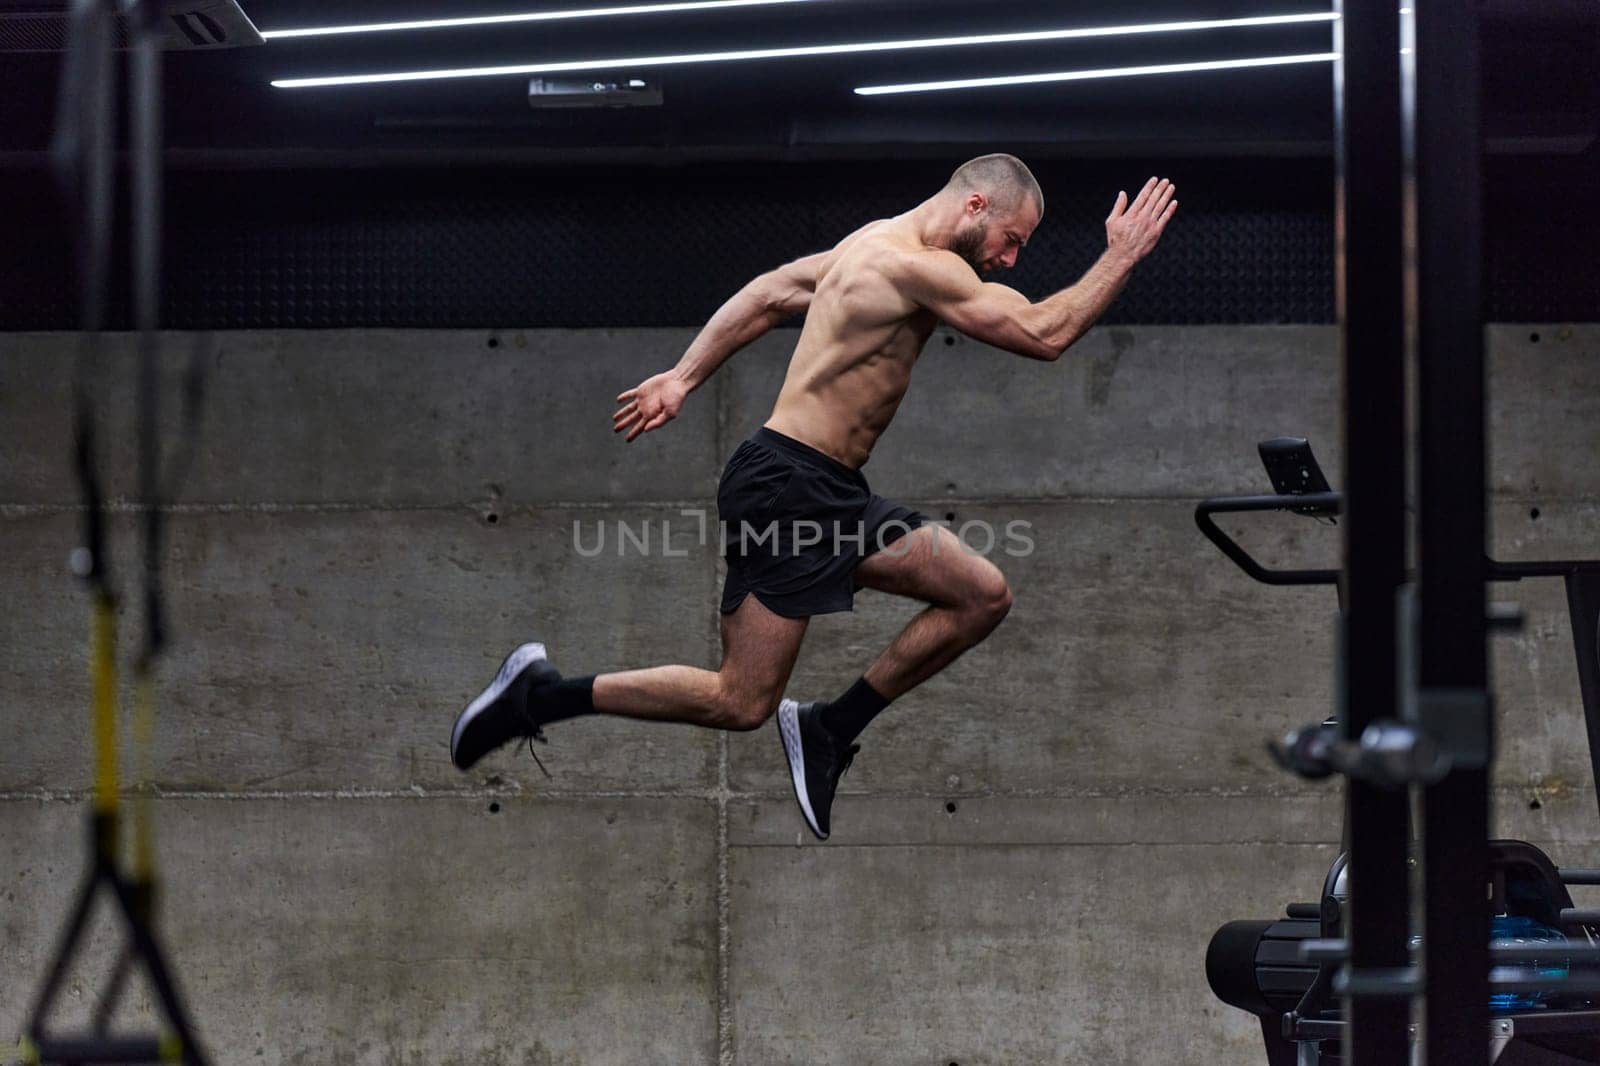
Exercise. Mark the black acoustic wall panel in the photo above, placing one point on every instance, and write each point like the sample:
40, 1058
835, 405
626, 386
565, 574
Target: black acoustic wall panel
586, 247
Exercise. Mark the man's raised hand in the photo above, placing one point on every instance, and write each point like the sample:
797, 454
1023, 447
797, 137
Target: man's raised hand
1133, 229
650, 405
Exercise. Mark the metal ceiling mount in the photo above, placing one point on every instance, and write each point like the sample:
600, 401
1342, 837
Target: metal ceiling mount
186, 25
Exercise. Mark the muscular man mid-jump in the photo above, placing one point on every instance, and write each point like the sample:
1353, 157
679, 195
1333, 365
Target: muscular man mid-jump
803, 530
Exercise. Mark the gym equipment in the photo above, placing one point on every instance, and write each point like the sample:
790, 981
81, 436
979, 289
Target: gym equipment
82, 152
1544, 991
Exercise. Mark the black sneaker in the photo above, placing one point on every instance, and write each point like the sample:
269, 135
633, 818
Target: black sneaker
500, 712
816, 761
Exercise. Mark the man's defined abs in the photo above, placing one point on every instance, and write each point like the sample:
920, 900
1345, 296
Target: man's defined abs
852, 364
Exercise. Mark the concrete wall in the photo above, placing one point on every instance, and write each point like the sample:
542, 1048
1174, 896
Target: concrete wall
1029, 855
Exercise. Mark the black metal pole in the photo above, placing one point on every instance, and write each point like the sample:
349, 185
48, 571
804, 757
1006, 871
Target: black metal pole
1368, 276
1452, 667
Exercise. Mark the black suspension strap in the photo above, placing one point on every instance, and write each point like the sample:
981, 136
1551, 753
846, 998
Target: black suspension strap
82, 155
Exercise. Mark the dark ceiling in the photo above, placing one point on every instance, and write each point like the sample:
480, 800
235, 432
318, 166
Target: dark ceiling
1542, 93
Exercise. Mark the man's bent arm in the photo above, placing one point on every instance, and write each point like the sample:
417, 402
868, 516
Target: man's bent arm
1063, 318
749, 313
944, 283
995, 314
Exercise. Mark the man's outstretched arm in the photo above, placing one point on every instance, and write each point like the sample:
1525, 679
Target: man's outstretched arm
749, 313
945, 284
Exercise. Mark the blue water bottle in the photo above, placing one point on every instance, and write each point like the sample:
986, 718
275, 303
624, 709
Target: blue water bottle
1508, 930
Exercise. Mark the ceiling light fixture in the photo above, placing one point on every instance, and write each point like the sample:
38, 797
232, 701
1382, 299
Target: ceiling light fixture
1086, 75
626, 62
532, 16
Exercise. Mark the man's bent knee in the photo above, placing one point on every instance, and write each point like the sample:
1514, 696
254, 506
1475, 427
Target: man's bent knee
990, 603
745, 711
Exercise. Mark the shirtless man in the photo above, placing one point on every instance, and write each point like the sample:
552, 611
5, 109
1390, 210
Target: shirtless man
803, 530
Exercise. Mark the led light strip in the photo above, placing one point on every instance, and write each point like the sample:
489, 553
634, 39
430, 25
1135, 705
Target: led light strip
624, 62
1085, 75
534, 16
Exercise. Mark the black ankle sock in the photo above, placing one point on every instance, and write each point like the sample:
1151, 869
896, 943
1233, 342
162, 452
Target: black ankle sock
848, 715
559, 700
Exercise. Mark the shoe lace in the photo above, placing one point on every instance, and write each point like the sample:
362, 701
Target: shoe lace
535, 732
845, 760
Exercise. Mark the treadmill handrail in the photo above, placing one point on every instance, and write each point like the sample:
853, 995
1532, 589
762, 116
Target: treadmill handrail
1328, 503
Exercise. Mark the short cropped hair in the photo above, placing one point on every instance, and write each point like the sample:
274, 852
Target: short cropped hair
1003, 178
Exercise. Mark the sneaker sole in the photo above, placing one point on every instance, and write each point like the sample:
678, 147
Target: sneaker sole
515, 663
789, 730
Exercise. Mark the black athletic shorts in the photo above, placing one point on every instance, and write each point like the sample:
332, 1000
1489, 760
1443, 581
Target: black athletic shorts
796, 523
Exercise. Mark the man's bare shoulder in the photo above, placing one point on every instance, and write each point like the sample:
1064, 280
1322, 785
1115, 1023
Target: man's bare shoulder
895, 254
916, 269
862, 254
869, 242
